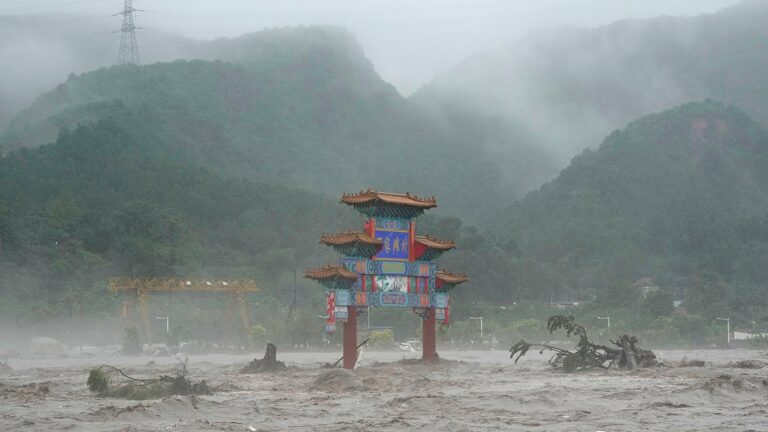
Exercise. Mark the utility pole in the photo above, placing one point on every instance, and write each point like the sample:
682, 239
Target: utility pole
129, 49
481, 325
167, 323
727, 329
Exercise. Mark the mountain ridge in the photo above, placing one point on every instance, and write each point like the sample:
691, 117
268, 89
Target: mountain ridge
310, 113
571, 86
670, 195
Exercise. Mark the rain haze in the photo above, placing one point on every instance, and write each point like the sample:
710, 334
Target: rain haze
409, 41
383, 215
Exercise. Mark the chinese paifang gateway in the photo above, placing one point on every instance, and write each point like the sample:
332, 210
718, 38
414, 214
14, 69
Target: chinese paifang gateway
387, 265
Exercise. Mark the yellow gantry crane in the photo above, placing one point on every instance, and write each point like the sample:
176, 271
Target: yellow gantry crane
140, 288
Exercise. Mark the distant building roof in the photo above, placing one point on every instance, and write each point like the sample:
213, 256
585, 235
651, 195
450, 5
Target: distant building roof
746, 335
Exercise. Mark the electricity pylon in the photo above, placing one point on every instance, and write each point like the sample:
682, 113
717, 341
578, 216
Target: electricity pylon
129, 49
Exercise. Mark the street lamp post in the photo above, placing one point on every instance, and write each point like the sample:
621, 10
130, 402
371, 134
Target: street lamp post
481, 325
167, 323
727, 328
608, 319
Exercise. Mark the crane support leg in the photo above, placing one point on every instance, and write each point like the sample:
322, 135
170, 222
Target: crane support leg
143, 301
242, 303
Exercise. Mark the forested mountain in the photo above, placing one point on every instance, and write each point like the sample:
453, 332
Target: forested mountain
227, 165
37, 52
111, 198
567, 88
502, 123
302, 108
107, 199
673, 196
183, 169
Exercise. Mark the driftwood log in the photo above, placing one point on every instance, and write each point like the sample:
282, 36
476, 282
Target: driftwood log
588, 355
266, 364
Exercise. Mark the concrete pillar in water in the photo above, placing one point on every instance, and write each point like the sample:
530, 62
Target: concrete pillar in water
429, 342
350, 339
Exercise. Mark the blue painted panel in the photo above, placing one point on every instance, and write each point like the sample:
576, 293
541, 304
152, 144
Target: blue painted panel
395, 245
341, 312
367, 266
391, 299
392, 224
394, 299
440, 300
343, 298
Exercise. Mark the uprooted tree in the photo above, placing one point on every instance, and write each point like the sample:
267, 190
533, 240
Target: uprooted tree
110, 381
587, 354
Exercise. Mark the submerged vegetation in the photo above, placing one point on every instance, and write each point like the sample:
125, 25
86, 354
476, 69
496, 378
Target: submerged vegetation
109, 381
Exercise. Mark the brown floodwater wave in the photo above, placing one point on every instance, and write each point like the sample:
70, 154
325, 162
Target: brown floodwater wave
468, 390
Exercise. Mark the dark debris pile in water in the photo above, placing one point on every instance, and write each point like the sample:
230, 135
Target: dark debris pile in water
109, 381
588, 355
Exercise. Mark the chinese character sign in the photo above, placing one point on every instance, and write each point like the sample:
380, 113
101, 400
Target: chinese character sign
395, 244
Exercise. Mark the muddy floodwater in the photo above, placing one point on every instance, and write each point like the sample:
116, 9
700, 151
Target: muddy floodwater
470, 390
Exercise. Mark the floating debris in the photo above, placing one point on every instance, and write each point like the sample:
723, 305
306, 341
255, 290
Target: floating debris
109, 381
692, 363
588, 355
266, 364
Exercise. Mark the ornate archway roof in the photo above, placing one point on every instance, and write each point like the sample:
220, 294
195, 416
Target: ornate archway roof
350, 237
330, 272
434, 243
451, 278
371, 196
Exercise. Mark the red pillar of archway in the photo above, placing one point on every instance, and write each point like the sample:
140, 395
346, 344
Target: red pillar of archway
429, 342
350, 339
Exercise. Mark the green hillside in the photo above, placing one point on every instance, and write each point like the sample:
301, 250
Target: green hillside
673, 196
302, 108
40, 51
110, 198
227, 168
186, 168
107, 200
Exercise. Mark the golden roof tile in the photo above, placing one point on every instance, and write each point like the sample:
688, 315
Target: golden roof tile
348, 237
406, 199
434, 243
329, 271
451, 278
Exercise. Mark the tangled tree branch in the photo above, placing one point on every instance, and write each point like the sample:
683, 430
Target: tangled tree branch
587, 354
107, 380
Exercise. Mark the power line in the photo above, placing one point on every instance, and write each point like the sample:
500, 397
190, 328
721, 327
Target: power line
129, 48
46, 7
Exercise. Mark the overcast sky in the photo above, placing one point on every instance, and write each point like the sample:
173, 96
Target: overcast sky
409, 41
